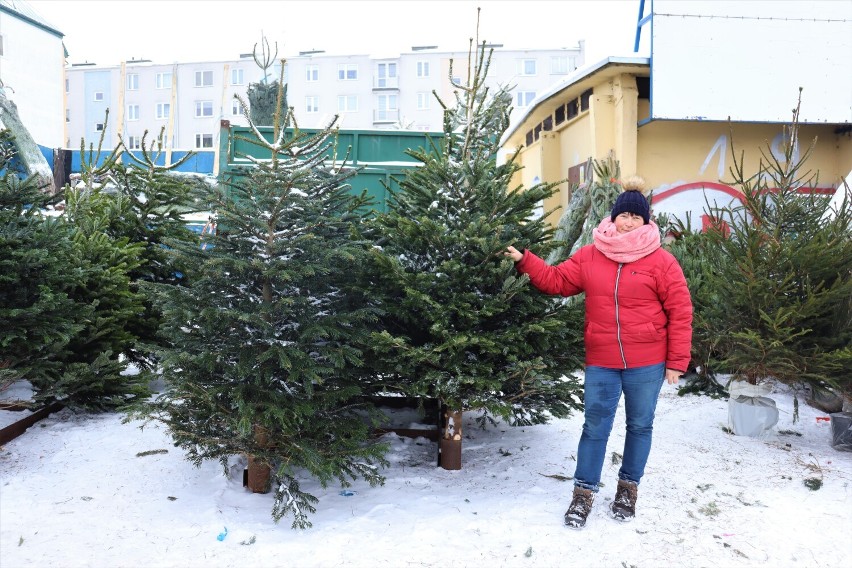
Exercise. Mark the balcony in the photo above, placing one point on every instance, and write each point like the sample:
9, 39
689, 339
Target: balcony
383, 83
389, 116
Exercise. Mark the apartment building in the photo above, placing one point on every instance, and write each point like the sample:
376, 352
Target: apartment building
188, 100
370, 92
184, 101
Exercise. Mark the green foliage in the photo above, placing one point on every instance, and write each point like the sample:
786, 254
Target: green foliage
7, 153
37, 317
261, 355
459, 324
267, 99
64, 304
698, 257
148, 202
590, 202
775, 297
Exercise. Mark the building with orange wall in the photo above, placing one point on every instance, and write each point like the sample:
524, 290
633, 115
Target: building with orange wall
669, 122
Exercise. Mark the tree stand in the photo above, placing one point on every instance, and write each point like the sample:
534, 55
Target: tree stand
449, 456
258, 474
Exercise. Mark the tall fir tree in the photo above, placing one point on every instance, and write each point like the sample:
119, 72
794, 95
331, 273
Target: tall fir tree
260, 357
785, 274
150, 199
459, 324
267, 98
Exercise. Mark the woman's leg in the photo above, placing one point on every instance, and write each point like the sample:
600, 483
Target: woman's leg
602, 392
641, 389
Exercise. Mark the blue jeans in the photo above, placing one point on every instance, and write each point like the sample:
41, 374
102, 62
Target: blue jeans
603, 388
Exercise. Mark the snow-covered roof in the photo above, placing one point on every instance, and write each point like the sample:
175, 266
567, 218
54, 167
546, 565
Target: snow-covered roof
579, 74
25, 11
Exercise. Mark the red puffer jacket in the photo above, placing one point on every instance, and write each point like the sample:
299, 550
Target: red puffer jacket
637, 314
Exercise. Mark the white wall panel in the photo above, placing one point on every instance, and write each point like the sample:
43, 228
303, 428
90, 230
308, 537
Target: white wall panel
746, 60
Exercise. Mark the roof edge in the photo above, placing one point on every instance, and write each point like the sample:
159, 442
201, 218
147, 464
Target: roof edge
578, 75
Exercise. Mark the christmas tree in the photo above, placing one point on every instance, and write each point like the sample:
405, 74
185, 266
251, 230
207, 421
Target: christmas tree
786, 274
261, 341
65, 302
149, 201
459, 324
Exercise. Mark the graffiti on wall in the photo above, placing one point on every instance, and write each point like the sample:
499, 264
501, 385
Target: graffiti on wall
690, 201
777, 147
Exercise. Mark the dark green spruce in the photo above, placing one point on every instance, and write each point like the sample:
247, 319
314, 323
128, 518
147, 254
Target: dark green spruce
459, 324
65, 302
260, 358
775, 296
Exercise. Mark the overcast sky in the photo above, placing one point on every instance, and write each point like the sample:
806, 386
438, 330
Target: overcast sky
108, 32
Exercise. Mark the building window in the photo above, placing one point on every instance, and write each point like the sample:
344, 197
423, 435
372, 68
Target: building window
312, 73
163, 110
584, 100
164, 80
204, 78
347, 72
132, 112
386, 75
133, 82
572, 110
524, 98
559, 114
387, 108
559, 65
99, 96
2, 45
347, 103
311, 105
423, 101
67, 115
526, 67
203, 140
237, 76
203, 109
422, 68
236, 109
67, 86
99, 127
133, 143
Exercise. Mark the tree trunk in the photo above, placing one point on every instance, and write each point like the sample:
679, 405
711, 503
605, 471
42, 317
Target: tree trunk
259, 471
451, 441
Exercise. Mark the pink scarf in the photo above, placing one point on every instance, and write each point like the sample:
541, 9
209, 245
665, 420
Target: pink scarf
626, 247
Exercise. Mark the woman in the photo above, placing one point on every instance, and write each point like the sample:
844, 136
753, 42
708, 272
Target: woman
638, 332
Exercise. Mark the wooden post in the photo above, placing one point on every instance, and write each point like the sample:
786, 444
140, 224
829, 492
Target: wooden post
259, 471
451, 441
61, 167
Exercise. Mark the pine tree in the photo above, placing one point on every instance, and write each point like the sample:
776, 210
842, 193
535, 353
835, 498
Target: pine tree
786, 285
459, 324
37, 318
149, 203
267, 98
590, 202
64, 304
260, 358
698, 257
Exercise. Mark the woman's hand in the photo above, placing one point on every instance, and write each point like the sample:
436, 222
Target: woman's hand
672, 376
514, 253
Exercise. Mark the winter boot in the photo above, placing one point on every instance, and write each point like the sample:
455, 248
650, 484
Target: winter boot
623, 507
581, 504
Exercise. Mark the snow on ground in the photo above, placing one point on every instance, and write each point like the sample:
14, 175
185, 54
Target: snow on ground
74, 492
